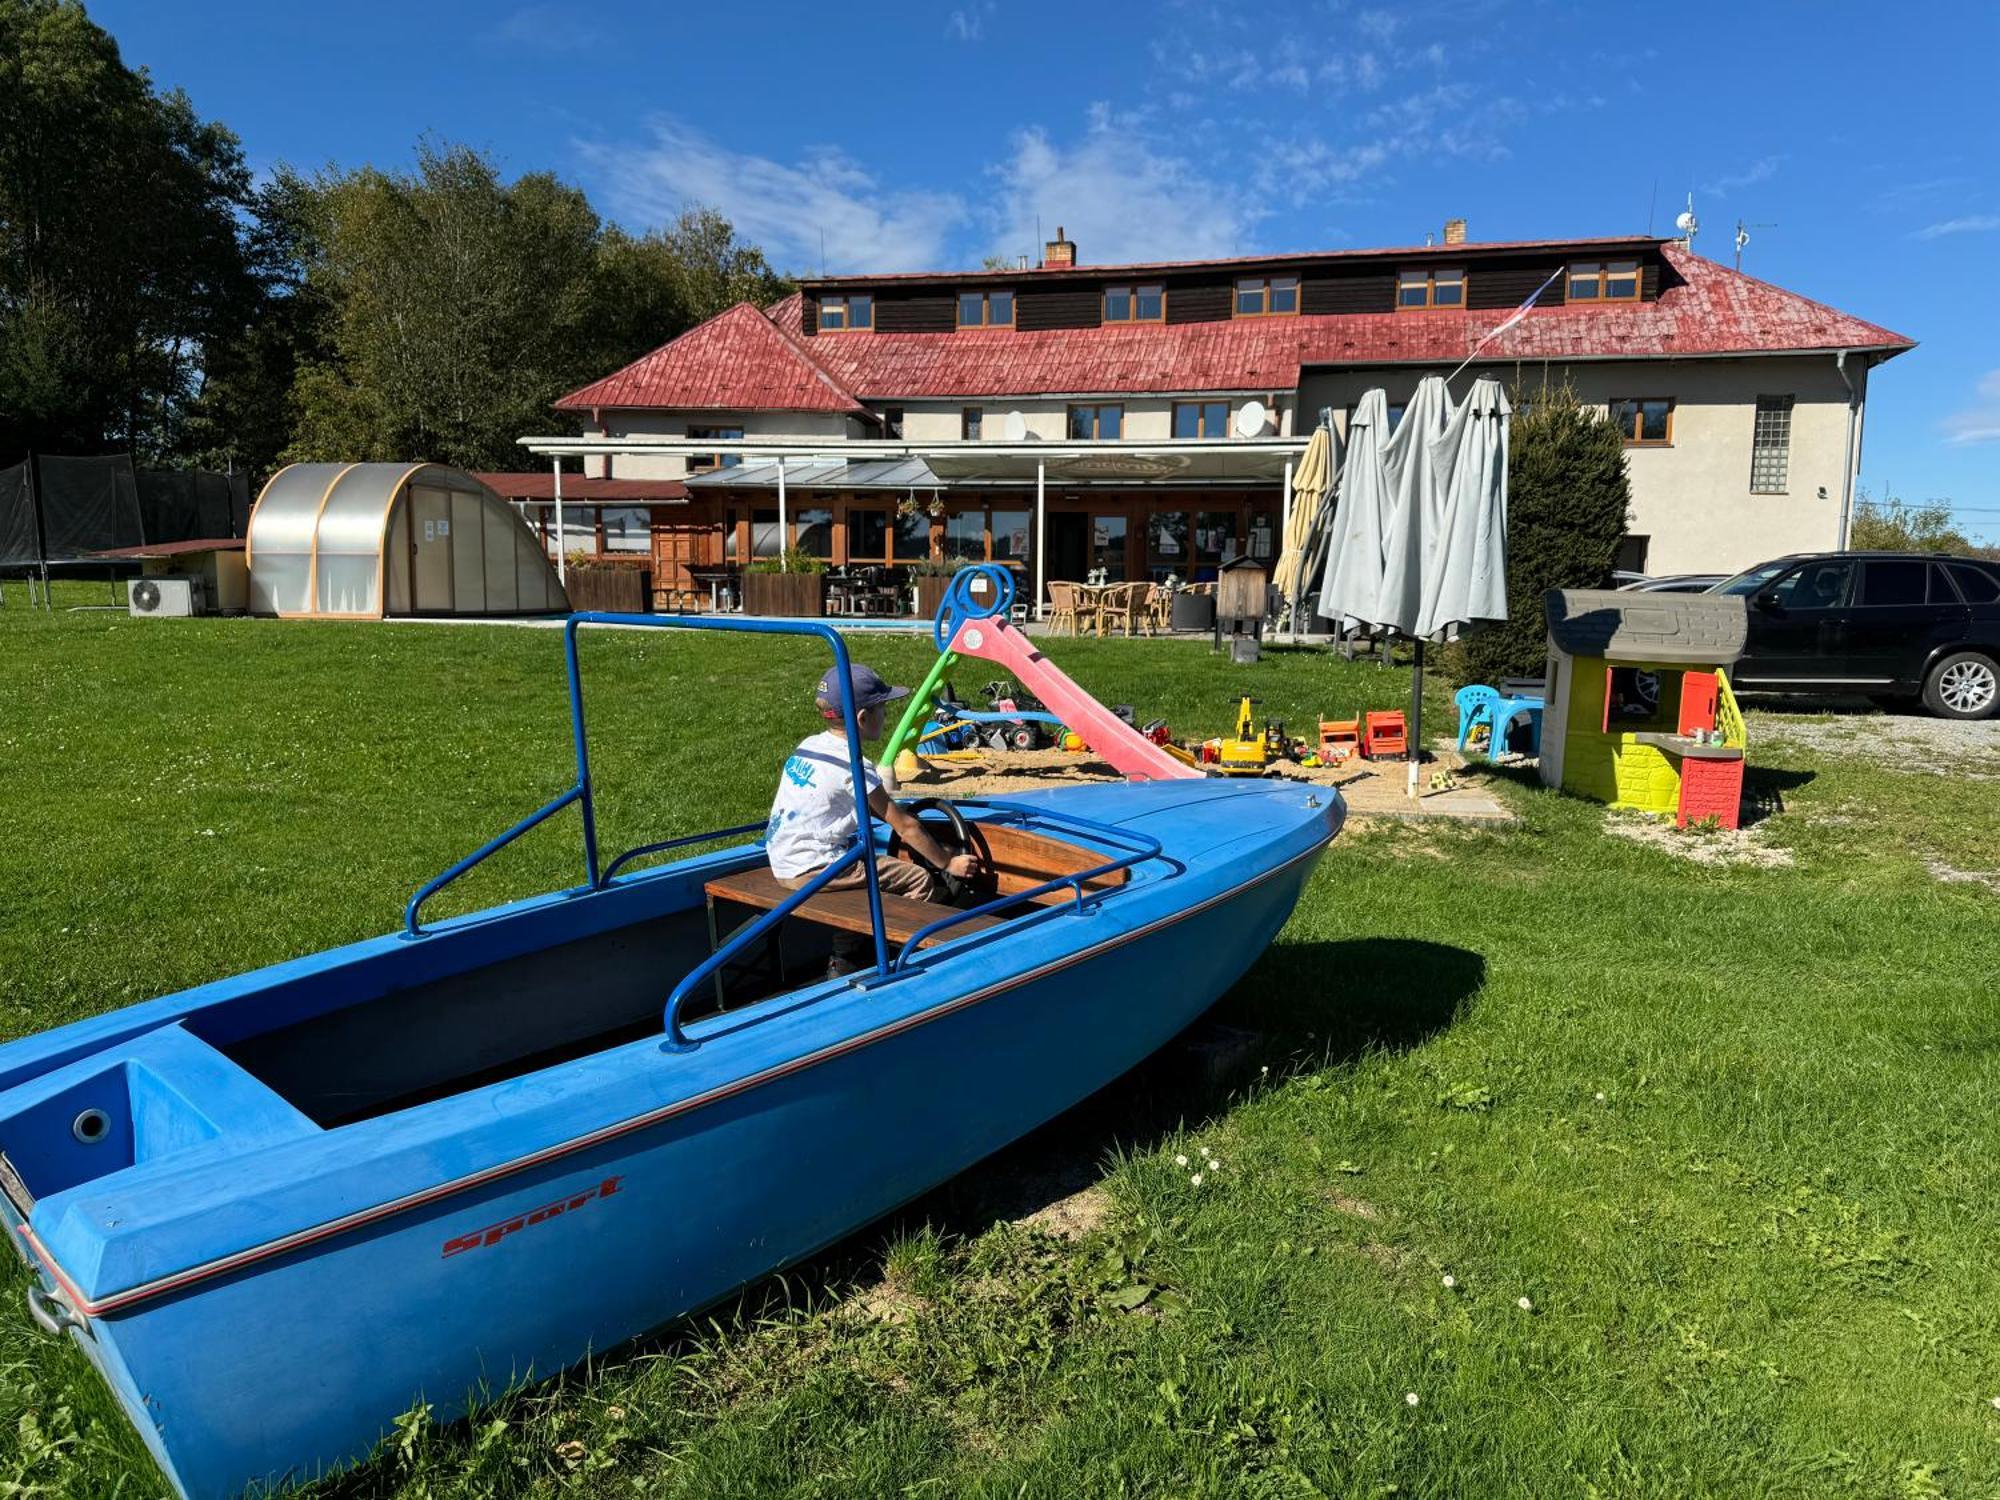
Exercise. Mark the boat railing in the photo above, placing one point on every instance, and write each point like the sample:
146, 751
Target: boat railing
1079, 882
581, 792
1129, 847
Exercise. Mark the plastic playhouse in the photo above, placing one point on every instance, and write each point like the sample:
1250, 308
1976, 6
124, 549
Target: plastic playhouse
1639, 712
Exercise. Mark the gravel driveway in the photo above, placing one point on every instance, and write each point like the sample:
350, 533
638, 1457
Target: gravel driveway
1915, 743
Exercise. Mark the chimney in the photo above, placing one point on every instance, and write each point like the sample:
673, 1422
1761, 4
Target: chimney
1454, 231
1058, 252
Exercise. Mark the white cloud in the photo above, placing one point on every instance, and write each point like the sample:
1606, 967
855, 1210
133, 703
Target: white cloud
1979, 422
1970, 224
968, 24
783, 207
545, 28
1120, 196
1761, 170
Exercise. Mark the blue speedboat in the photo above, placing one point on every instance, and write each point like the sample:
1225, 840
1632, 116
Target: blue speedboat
278, 1210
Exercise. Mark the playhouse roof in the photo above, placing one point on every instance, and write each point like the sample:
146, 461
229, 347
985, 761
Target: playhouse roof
1697, 630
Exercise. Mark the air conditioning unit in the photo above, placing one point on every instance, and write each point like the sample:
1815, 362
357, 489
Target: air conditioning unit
166, 596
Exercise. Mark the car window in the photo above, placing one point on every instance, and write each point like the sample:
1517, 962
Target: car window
1890, 581
1817, 585
1978, 585
1750, 582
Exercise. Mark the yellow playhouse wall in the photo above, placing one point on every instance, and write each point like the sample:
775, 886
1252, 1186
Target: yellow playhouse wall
1611, 768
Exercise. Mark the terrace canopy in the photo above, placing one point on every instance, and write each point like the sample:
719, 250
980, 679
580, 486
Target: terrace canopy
364, 541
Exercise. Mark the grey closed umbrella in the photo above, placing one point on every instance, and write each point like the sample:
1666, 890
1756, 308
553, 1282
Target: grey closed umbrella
1467, 579
1415, 505
1351, 592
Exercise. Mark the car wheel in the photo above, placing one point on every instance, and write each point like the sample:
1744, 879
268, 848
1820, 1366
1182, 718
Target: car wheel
1965, 685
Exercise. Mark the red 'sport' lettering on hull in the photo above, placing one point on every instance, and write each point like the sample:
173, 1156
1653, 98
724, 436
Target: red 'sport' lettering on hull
493, 1234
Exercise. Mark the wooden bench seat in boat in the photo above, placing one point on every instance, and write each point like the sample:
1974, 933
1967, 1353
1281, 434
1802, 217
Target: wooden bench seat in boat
902, 916
1015, 860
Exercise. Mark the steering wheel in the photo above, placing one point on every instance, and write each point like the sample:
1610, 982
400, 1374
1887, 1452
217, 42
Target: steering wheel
966, 599
956, 887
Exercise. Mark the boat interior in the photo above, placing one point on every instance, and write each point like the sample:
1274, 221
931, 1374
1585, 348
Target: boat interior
415, 1042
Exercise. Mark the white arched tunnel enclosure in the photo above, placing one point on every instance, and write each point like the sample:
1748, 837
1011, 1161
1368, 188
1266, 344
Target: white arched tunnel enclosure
361, 541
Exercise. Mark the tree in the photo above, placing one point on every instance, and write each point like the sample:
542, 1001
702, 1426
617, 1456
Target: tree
120, 261
1568, 502
1892, 525
712, 270
453, 307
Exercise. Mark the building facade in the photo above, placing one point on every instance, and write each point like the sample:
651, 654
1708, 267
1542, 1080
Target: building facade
1742, 403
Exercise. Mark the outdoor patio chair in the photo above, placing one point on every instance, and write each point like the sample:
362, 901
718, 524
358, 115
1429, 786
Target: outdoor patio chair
1124, 605
1062, 609
1160, 609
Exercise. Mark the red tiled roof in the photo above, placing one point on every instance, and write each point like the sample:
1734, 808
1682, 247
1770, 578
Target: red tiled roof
736, 361
540, 484
1706, 309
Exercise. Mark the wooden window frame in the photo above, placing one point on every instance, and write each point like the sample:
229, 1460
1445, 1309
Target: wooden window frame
714, 432
1264, 284
1430, 275
1598, 273
1132, 291
1630, 431
1096, 410
845, 302
970, 417
986, 296
1201, 432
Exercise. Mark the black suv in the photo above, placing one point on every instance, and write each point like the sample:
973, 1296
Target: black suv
1896, 626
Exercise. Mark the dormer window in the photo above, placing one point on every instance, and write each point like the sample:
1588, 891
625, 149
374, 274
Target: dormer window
1135, 304
1604, 281
846, 312
985, 309
1432, 286
1266, 296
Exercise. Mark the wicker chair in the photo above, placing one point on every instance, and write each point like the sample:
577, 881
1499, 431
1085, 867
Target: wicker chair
1062, 607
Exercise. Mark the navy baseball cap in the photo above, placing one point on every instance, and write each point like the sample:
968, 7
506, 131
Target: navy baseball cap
870, 691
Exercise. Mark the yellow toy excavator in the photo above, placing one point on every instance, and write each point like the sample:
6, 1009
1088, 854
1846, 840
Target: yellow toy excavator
1248, 752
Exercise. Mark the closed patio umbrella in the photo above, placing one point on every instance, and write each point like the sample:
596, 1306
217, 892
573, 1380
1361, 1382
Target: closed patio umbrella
1352, 587
1468, 579
1312, 484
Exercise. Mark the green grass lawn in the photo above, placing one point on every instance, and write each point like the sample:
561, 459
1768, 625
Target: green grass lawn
1729, 1130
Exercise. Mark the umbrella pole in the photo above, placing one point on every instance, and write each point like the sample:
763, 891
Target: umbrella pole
1416, 749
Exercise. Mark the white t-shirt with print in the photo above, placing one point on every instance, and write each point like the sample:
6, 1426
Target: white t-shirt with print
813, 818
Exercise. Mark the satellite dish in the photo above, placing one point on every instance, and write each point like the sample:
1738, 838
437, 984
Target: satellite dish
1684, 220
1014, 427
1252, 420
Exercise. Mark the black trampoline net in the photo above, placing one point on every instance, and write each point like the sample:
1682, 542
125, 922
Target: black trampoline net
17, 518
88, 505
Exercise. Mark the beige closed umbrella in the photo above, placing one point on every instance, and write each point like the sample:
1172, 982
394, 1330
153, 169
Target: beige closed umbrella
1312, 479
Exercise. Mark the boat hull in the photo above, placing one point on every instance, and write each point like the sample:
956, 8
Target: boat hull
298, 1364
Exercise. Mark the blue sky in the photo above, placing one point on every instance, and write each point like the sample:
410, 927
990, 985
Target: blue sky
928, 136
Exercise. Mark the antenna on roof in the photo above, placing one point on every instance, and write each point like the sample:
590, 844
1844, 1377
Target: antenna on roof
1687, 224
1652, 203
822, 252
1743, 238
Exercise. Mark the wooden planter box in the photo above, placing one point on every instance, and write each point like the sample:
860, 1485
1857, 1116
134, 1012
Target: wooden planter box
623, 590
931, 590
789, 595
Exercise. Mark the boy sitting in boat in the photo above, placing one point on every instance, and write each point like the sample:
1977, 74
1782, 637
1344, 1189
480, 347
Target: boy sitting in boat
813, 820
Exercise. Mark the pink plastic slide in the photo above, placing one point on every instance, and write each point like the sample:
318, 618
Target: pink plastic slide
991, 638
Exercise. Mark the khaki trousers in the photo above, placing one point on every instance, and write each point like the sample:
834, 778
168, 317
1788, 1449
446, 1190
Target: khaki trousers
899, 877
